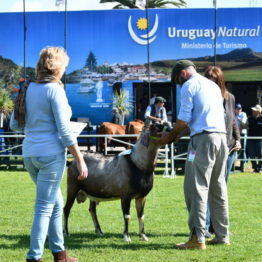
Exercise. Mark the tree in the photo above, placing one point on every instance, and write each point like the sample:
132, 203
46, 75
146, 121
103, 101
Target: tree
122, 104
150, 3
6, 105
91, 62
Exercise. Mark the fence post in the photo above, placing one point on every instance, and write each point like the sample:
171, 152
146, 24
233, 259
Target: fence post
173, 171
166, 173
105, 145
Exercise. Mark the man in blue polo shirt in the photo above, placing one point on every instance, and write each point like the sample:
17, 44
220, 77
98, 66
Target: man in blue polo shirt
203, 112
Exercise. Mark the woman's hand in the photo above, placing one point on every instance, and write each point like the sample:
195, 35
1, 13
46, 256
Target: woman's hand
81, 165
237, 145
82, 169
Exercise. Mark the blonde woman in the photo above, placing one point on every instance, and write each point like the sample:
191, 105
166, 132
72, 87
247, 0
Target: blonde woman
45, 118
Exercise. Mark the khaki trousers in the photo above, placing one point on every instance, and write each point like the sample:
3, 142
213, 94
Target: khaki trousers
205, 180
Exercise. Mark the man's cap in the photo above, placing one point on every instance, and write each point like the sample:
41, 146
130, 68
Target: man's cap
180, 65
238, 106
160, 99
257, 108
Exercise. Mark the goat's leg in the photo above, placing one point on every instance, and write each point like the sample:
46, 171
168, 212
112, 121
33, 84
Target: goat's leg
125, 204
69, 203
140, 204
92, 210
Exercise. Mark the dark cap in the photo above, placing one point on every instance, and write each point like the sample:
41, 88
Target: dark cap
238, 106
160, 99
180, 65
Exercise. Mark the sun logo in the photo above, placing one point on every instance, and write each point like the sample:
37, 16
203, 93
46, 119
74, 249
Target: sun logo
142, 24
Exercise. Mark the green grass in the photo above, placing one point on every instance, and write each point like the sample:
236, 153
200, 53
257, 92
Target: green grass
165, 224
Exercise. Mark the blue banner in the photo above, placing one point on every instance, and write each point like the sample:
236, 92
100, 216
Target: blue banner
108, 48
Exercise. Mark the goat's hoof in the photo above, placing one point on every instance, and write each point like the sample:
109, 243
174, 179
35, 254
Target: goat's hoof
100, 233
144, 237
127, 238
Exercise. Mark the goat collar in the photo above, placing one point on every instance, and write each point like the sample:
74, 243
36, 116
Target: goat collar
154, 137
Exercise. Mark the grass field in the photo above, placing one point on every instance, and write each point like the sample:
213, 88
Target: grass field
165, 224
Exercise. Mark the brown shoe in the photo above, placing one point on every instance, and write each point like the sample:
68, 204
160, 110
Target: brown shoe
215, 242
63, 257
192, 244
33, 260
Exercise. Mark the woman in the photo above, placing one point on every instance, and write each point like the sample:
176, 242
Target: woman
215, 74
45, 119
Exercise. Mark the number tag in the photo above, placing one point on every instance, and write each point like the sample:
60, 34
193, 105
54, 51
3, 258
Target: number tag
191, 156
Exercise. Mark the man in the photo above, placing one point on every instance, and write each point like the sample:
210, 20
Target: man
254, 146
202, 110
156, 112
241, 119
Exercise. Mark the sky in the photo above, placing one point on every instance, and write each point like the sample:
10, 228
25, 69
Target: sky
49, 5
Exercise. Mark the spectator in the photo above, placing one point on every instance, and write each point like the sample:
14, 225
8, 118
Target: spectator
254, 146
142, 105
152, 99
241, 118
46, 124
156, 112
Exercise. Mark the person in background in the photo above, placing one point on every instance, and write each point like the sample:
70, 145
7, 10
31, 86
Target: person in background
156, 112
215, 74
241, 118
254, 146
202, 110
43, 113
142, 105
152, 99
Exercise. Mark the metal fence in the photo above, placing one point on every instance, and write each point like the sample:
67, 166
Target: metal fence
174, 154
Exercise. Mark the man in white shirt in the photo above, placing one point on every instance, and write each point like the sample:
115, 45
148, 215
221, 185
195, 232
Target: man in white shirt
203, 112
156, 112
241, 118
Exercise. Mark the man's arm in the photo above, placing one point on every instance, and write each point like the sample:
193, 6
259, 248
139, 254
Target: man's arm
148, 116
174, 135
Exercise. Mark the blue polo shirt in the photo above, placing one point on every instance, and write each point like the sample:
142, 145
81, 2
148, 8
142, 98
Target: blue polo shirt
202, 105
47, 129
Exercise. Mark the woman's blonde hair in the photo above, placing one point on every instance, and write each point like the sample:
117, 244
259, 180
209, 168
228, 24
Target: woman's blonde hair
51, 62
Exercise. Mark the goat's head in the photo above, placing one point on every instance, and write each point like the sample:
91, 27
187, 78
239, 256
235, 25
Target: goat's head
153, 132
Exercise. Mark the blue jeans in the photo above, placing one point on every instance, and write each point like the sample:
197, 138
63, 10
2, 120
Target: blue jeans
230, 160
47, 173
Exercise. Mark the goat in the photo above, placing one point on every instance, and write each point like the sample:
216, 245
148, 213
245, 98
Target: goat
124, 176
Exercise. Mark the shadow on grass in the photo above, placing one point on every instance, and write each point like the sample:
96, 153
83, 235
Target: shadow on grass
21, 241
86, 240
